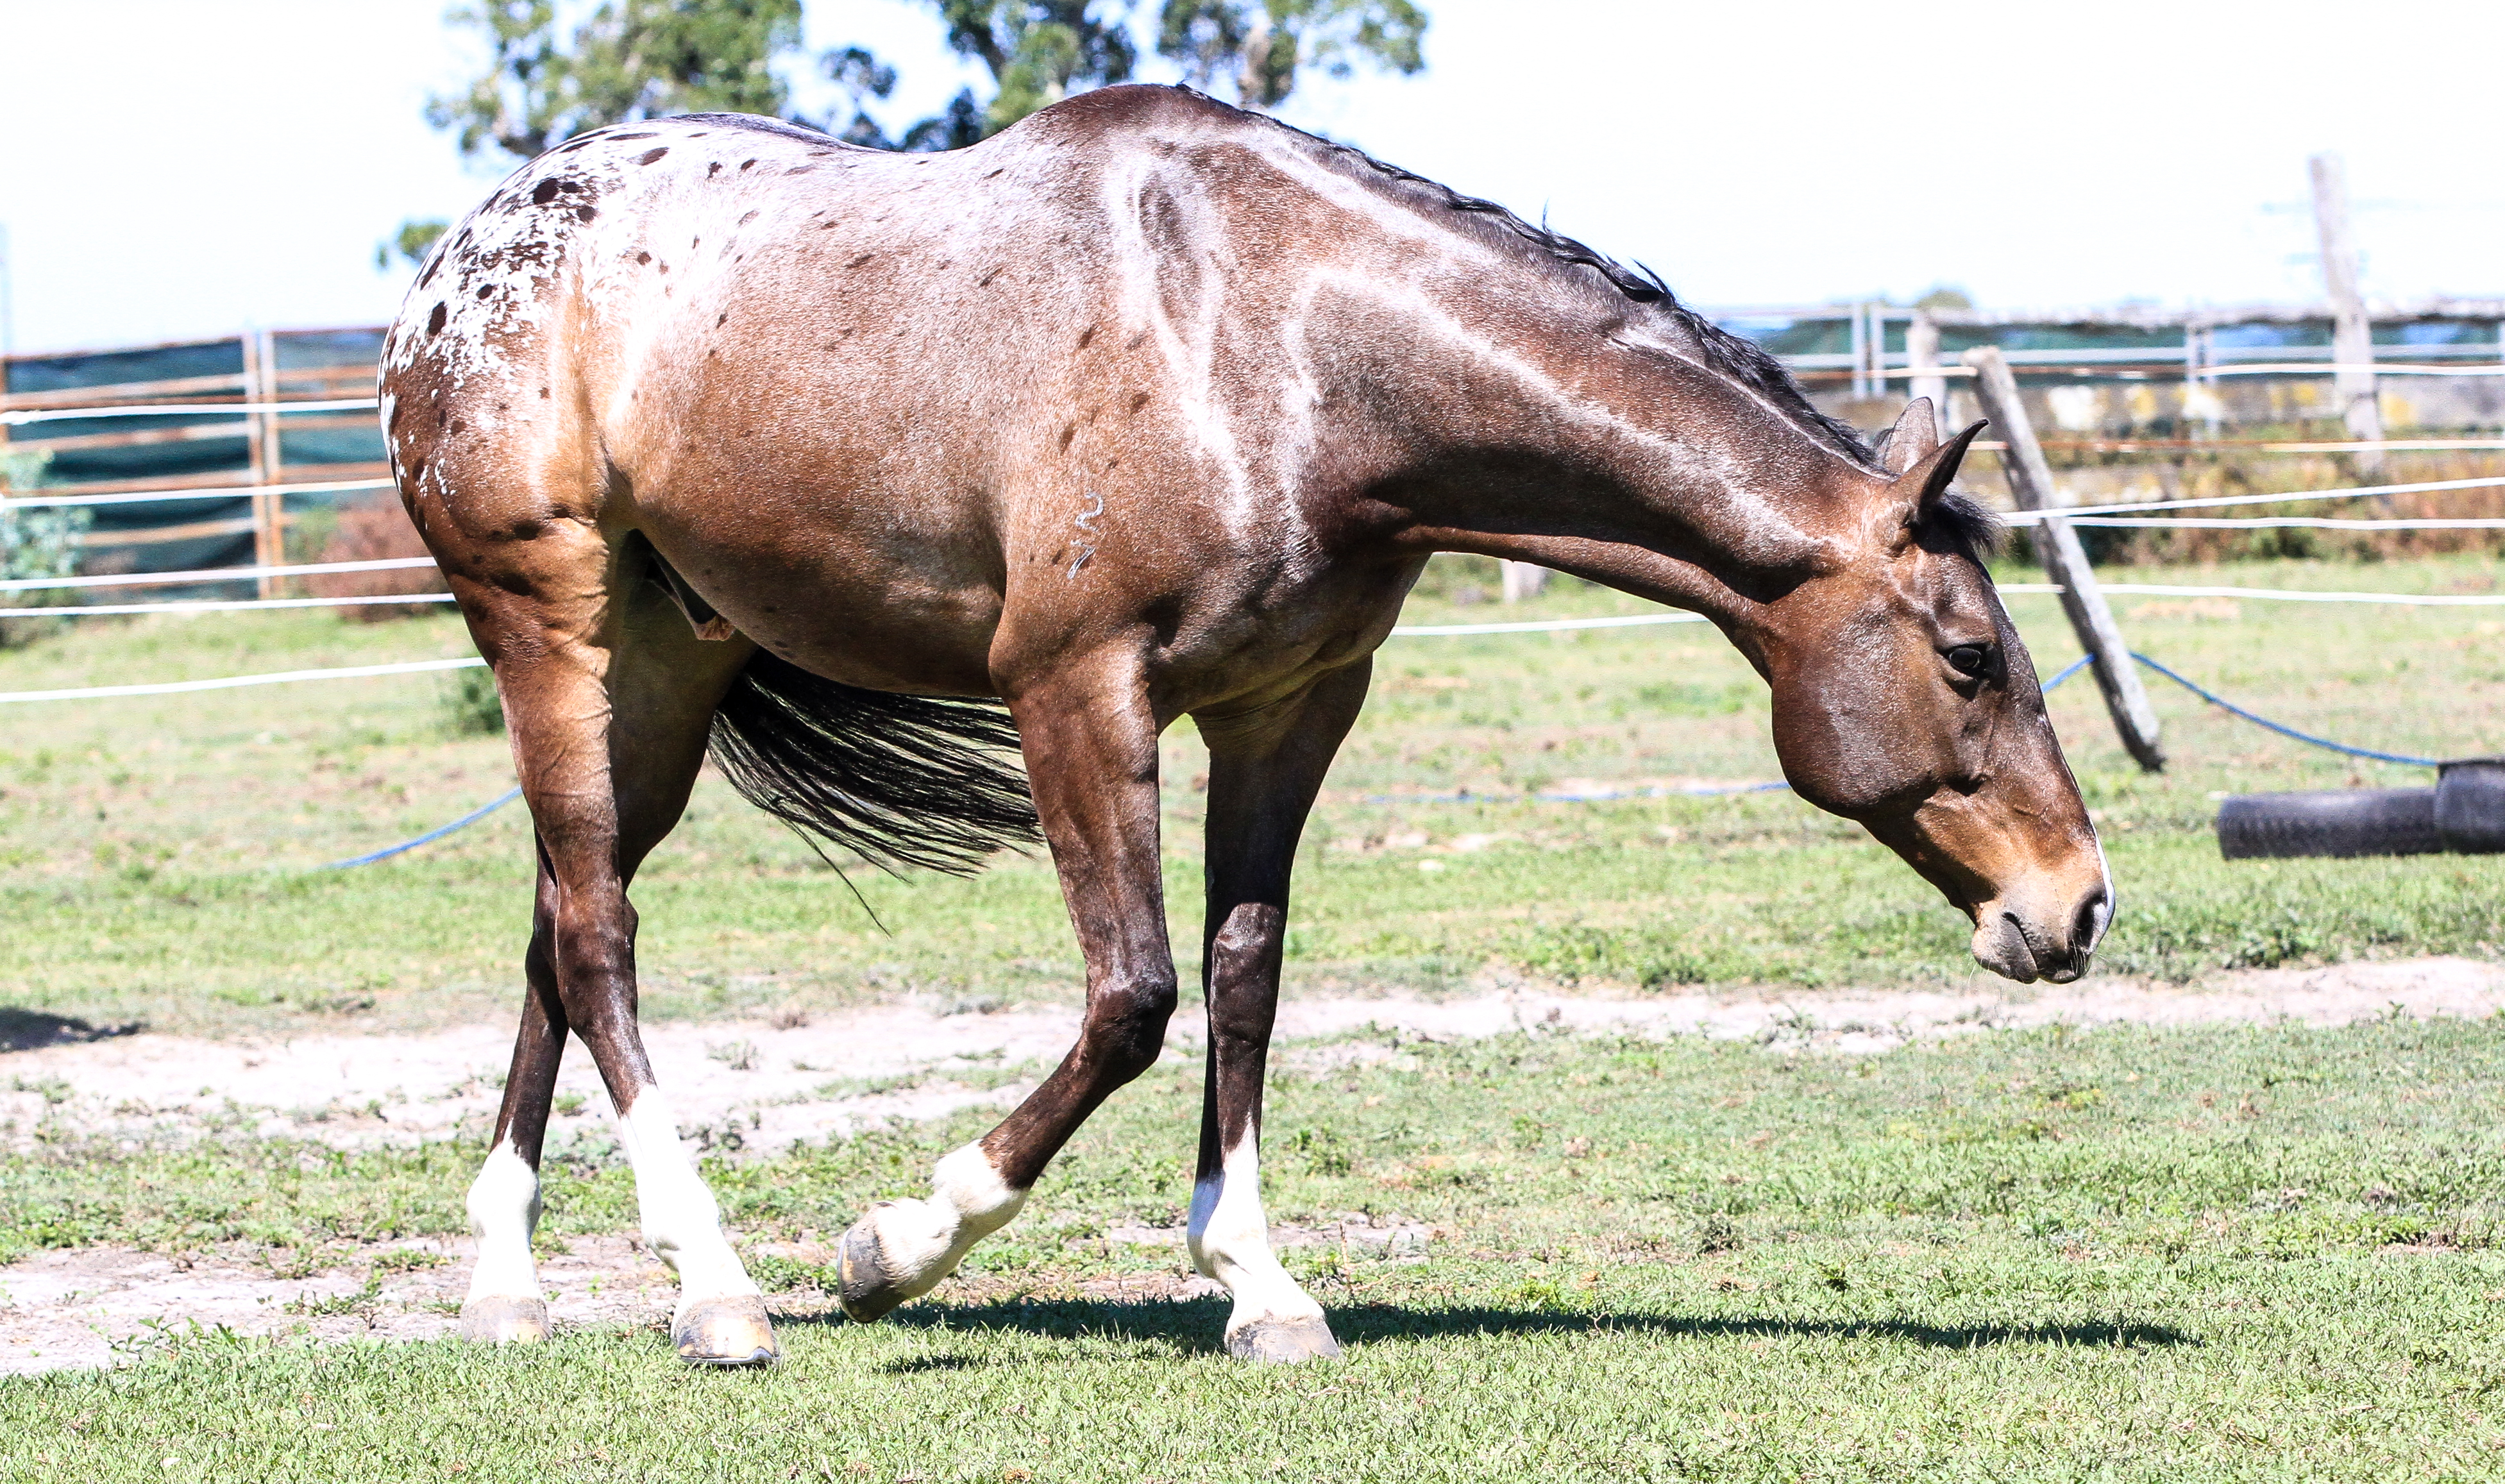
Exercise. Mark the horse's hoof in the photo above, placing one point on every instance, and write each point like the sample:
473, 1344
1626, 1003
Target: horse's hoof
864, 1286
725, 1331
1282, 1341
505, 1321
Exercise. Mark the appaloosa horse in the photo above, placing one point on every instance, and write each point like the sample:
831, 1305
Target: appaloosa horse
725, 432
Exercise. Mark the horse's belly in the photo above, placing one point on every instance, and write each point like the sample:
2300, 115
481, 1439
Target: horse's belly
845, 592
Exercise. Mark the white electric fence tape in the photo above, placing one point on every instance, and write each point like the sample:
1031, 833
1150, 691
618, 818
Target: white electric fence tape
233, 682
187, 409
205, 575
191, 492
2215, 502
124, 610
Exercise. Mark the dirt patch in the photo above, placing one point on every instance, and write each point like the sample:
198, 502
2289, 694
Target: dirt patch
98, 1306
760, 1087
105, 1306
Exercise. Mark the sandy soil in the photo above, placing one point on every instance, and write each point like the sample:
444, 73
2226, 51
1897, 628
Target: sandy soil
758, 1086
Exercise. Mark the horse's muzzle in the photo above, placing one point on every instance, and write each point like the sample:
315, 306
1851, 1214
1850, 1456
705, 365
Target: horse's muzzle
2049, 938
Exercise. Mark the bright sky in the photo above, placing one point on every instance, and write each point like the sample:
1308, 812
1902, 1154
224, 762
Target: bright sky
174, 169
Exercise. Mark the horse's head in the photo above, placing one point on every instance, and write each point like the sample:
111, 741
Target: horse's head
1904, 699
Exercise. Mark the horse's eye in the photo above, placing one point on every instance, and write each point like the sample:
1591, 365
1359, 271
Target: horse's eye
1968, 659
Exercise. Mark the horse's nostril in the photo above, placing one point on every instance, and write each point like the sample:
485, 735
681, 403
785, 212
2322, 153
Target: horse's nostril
2090, 924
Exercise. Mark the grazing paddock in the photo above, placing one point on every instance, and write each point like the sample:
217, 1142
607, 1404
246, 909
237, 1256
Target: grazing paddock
2186, 1253
155, 850
2207, 1254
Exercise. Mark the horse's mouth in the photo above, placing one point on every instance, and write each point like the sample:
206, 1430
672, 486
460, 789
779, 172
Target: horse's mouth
2004, 944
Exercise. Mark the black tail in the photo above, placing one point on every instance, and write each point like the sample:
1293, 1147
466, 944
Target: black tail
902, 780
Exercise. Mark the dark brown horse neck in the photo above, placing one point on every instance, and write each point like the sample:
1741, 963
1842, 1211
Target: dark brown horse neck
1524, 396
1620, 459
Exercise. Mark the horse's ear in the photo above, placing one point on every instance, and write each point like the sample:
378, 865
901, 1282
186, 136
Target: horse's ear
1924, 480
1913, 438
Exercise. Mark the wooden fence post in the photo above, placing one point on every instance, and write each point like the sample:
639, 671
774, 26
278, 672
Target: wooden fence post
1922, 362
268, 511
2031, 483
2352, 335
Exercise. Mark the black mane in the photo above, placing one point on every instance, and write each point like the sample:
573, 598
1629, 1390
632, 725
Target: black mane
1737, 357
1955, 521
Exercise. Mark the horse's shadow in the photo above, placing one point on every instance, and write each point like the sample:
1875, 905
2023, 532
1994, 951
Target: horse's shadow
1198, 1325
26, 1029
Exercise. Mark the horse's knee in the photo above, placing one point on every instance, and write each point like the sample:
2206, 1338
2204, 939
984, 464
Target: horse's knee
1126, 1024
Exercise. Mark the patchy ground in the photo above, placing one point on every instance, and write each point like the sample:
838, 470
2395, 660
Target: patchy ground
760, 1087
98, 1306
764, 1084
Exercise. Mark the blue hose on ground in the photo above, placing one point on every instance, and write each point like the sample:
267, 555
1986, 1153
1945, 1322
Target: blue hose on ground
2070, 669
2234, 710
389, 851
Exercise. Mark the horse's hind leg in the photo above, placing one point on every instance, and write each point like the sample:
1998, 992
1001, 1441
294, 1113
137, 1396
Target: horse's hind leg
1264, 769
505, 1303
609, 695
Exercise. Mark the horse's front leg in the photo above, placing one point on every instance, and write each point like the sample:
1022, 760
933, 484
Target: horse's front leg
1090, 740
1264, 768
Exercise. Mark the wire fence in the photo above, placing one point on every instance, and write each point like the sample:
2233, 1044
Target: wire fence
2127, 515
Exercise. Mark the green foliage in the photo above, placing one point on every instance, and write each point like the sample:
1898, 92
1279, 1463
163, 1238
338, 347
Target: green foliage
22, 469
1258, 46
646, 59
1040, 52
472, 708
35, 544
630, 59
412, 242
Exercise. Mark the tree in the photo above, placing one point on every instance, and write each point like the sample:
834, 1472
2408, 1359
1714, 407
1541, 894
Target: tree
1040, 52
1259, 47
646, 58
631, 59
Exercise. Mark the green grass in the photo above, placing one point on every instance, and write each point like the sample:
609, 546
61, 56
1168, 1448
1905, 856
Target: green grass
2247, 1254
155, 854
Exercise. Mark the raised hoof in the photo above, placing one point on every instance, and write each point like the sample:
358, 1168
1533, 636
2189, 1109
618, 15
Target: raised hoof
725, 1331
505, 1321
1282, 1341
864, 1288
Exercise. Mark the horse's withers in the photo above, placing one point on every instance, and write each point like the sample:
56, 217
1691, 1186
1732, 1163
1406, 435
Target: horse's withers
1904, 699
